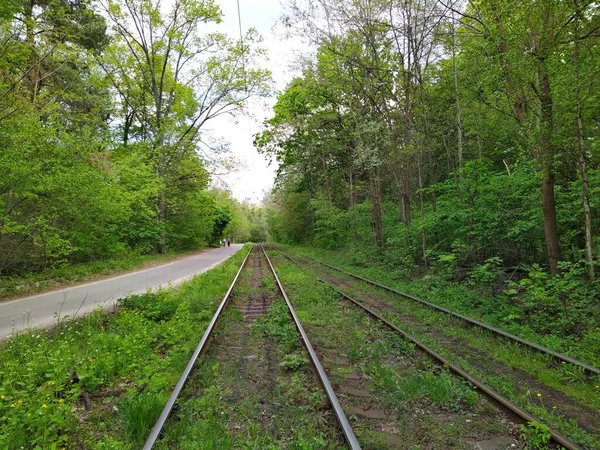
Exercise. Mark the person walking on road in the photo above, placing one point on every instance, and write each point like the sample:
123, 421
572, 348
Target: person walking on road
228, 243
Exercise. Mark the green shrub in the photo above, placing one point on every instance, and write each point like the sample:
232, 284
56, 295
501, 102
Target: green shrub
536, 435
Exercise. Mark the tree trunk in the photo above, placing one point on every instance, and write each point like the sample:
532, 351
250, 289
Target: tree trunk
547, 154
351, 188
422, 208
459, 135
32, 70
375, 191
589, 253
550, 229
162, 217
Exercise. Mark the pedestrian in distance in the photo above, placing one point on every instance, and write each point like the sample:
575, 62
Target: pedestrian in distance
228, 243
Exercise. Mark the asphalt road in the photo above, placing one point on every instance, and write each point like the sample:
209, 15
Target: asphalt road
43, 309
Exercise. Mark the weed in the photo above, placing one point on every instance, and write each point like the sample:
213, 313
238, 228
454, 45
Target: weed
572, 373
294, 361
138, 415
536, 435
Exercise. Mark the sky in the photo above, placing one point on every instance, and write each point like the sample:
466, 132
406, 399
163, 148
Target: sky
256, 177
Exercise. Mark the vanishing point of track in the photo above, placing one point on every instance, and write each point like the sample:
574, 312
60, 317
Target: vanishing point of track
201, 349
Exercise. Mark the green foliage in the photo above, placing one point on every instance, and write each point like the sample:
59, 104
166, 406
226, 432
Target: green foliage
139, 414
562, 304
486, 275
451, 166
96, 160
330, 225
156, 307
277, 324
293, 362
536, 435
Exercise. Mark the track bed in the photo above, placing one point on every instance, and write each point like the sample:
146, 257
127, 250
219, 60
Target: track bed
254, 387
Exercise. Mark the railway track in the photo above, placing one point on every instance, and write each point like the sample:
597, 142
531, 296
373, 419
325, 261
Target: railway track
472, 360
240, 367
559, 356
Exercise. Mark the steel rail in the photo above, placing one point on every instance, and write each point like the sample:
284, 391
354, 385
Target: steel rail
337, 408
558, 438
560, 356
164, 415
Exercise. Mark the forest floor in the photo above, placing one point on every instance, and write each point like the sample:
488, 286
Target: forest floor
73, 274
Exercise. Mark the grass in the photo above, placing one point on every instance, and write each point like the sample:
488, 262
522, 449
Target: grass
400, 379
563, 377
125, 364
138, 415
57, 277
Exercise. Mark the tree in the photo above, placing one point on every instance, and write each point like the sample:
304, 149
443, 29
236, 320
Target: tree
171, 80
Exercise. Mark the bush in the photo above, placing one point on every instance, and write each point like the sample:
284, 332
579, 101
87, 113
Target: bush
563, 304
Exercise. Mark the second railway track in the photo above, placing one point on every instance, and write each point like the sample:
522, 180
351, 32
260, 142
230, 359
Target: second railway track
250, 384
539, 389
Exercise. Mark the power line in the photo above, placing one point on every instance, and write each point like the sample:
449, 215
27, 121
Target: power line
245, 79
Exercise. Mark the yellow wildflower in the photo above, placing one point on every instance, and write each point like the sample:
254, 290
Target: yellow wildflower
539, 395
44, 406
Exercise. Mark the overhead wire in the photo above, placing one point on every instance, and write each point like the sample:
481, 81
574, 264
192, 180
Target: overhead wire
245, 80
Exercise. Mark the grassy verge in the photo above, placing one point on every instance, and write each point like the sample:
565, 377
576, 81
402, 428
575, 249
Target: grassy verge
465, 300
100, 382
54, 278
424, 406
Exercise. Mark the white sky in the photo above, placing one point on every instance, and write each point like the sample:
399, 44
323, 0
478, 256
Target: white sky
256, 178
